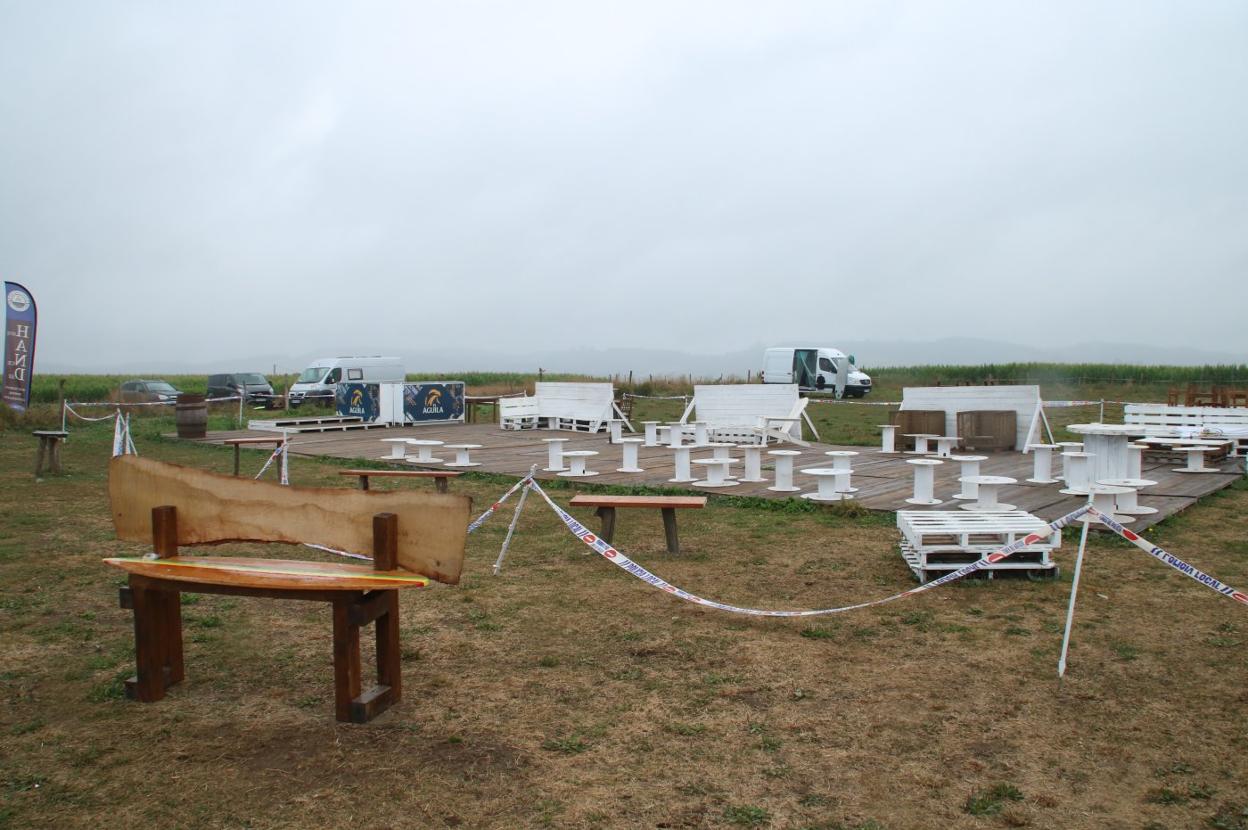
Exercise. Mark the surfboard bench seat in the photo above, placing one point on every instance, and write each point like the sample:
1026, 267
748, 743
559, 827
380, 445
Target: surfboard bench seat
204, 509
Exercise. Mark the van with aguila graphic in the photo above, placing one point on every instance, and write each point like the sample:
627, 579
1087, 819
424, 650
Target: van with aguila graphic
316, 384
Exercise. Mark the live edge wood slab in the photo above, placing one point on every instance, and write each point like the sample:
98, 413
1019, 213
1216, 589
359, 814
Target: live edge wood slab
206, 511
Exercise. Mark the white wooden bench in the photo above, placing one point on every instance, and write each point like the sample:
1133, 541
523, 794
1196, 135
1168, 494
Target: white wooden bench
518, 413
1214, 422
751, 413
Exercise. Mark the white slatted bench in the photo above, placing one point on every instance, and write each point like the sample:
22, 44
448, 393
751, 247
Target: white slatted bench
751, 413
938, 541
1161, 420
518, 413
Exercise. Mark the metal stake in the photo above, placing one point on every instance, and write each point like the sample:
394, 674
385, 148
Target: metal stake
1070, 610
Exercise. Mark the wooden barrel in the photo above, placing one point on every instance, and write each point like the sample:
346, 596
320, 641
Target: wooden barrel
192, 416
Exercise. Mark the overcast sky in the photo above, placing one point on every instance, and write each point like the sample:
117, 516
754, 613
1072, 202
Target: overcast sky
207, 180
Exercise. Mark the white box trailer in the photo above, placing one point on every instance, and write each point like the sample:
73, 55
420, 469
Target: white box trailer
815, 367
321, 379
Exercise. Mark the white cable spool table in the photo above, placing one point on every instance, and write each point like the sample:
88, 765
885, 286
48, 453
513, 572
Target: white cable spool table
719, 449
1042, 470
577, 460
398, 449
629, 463
700, 435
833, 484
1104, 498
970, 470
945, 445
920, 442
888, 438
716, 472
924, 480
1195, 459
616, 428
1107, 444
986, 488
784, 470
1064, 447
675, 435
462, 452
652, 433
682, 473
842, 460
1078, 473
1128, 503
753, 462
554, 454
424, 450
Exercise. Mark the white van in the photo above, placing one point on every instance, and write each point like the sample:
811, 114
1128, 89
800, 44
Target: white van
813, 367
318, 380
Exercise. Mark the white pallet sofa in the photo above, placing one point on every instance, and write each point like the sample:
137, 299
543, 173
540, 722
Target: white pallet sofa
935, 542
1160, 420
584, 407
751, 413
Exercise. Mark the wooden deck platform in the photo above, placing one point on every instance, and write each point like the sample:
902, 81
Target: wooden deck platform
884, 481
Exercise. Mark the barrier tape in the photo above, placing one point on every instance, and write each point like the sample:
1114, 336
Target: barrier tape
854, 401
148, 403
657, 397
1065, 404
71, 411
480, 520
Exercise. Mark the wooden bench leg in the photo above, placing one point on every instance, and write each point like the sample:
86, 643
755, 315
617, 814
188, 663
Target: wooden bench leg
439, 483
352, 705
39, 457
346, 662
669, 530
389, 668
55, 450
607, 514
237, 449
148, 684
363, 482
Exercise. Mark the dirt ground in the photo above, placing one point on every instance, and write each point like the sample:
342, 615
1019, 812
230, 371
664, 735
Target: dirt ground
565, 693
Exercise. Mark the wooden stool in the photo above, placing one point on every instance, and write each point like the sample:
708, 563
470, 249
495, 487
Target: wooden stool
49, 447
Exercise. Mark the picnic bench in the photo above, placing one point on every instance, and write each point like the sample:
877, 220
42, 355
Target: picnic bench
49, 448
439, 476
238, 443
413, 537
668, 505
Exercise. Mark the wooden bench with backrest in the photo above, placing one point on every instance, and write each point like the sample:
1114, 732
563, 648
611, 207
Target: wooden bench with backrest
439, 476
413, 537
607, 505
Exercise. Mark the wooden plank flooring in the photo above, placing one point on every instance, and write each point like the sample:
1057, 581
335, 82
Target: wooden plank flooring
884, 481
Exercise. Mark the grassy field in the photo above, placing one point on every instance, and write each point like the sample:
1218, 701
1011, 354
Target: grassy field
567, 694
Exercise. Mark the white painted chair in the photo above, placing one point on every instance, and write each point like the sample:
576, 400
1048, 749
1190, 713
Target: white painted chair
518, 413
576, 406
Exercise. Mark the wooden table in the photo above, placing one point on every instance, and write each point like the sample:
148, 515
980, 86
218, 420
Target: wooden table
472, 402
237, 443
49, 447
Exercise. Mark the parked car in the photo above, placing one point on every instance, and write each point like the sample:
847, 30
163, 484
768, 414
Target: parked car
253, 386
147, 391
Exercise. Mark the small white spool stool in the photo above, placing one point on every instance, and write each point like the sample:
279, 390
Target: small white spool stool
700, 435
1135, 460
970, 470
675, 435
398, 449
753, 462
1042, 469
784, 471
629, 464
616, 426
554, 454
716, 472
461, 455
681, 464
920, 443
652, 433
945, 445
833, 484
924, 480
1128, 504
1078, 477
1102, 497
424, 450
888, 438
578, 458
1195, 460
841, 461
986, 486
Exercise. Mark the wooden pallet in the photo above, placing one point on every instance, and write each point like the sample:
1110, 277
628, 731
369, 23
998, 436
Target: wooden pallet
936, 542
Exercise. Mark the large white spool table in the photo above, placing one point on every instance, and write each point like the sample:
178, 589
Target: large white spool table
1078, 473
842, 460
680, 461
753, 462
833, 484
986, 487
398, 449
967, 475
888, 438
424, 450
554, 454
945, 445
577, 459
652, 433
1107, 444
1104, 497
920, 442
1128, 503
629, 463
716, 472
924, 480
462, 452
1042, 459
784, 471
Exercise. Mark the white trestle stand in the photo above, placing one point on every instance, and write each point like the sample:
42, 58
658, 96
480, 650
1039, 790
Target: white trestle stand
1135, 460
842, 461
1128, 503
652, 433
675, 435
1195, 460
616, 426
716, 472
1042, 471
967, 475
424, 450
945, 445
1077, 473
461, 455
577, 459
784, 471
986, 487
700, 435
833, 484
753, 462
888, 438
920, 442
398, 449
924, 480
554, 454
630, 465
681, 464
